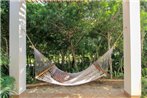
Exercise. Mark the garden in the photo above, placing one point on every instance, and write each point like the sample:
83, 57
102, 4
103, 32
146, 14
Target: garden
72, 35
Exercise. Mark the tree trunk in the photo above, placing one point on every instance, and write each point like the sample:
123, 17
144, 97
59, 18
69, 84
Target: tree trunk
110, 62
142, 40
73, 55
58, 59
63, 58
97, 52
6, 45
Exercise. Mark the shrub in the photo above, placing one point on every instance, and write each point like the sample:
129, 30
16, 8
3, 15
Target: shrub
7, 86
144, 87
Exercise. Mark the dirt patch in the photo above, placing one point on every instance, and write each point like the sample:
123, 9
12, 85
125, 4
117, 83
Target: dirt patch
96, 89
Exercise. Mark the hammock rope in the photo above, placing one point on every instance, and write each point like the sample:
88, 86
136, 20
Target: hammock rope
117, 40
32, 45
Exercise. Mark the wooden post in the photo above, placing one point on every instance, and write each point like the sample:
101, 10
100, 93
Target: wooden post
132, 48
17, 41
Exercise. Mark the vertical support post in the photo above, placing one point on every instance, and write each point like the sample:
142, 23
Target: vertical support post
132, 47
17, 41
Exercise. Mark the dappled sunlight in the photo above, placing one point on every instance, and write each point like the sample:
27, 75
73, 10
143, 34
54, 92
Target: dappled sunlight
106, 88
33, 90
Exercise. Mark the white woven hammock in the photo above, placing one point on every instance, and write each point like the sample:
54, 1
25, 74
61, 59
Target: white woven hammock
48, 72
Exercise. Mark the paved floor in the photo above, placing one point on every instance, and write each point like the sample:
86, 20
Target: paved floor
97, 89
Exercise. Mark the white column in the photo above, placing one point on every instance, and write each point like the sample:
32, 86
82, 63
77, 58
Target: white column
17, 41
132, 47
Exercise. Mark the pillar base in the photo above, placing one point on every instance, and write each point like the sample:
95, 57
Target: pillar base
131, 96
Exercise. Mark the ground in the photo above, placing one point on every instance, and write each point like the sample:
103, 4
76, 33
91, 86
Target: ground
96, 89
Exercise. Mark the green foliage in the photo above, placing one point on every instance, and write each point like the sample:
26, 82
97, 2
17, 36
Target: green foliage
4, 57
73, 32
144, 72
144, 47
118, 75
144, 87
6, 82
4, 11
7, 86
30, 73
4, 69
78, 33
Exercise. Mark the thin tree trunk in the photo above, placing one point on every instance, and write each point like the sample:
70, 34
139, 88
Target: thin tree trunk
97, 52
142, 40
58, 59
110, 62
6, 45
63, 58
73, 55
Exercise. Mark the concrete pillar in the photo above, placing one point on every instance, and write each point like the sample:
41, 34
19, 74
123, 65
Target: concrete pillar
17, 41
132, 47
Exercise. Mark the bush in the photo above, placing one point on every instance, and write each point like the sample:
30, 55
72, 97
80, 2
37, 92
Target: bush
4, 61
144, 87
6, 82
7, 86
144, 72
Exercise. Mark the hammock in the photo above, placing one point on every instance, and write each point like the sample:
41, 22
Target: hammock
48, 72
